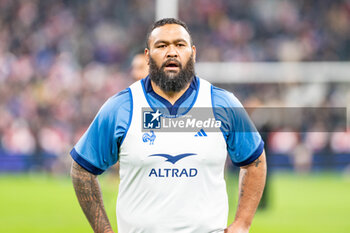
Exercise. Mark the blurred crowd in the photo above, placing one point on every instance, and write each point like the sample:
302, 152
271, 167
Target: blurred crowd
60, 60
299, 136
269, 30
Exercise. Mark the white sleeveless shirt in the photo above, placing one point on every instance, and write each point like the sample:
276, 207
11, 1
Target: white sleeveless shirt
174, 183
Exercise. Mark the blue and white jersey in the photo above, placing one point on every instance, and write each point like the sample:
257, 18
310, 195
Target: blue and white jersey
169, 182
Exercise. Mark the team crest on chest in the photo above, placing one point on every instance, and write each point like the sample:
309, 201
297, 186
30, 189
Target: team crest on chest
149, 137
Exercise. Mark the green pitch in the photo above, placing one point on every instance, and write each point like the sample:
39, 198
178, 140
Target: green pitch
40, 204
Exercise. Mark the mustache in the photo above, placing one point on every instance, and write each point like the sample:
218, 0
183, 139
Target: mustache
171, 61
173, 82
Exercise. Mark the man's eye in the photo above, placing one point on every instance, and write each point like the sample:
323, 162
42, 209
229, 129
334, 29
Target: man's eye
161, 46
180, 45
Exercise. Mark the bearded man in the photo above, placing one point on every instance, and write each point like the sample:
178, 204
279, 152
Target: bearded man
170, 181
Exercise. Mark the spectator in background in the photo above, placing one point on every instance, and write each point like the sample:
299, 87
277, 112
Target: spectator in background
139, 67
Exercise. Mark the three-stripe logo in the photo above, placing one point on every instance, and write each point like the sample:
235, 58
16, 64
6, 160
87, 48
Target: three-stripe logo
201, 133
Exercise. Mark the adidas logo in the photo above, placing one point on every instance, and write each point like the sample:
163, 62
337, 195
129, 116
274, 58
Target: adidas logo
201, 133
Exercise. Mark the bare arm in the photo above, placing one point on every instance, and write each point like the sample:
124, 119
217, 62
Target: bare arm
89, 195
251, 185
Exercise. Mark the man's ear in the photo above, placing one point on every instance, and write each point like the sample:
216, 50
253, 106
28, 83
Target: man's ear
194, 52
147, 55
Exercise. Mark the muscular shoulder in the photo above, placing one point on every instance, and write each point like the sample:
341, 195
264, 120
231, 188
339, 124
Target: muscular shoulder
117, 105
244, 143
224, 99
115, 112
229, 110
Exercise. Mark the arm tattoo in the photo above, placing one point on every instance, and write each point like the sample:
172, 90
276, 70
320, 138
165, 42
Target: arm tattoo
242, 184
89, 196
257, 162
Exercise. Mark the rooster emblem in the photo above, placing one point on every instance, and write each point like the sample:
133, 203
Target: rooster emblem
149, 137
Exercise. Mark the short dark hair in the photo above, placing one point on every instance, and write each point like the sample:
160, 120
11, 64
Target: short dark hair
165, 21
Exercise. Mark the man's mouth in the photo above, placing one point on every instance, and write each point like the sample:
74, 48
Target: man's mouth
172, 65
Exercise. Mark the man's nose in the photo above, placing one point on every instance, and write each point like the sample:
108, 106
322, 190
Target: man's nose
172, 52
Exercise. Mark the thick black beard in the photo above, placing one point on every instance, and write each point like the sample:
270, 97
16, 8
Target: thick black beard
171, 83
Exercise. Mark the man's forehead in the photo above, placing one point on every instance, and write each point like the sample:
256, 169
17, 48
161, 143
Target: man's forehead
169, 32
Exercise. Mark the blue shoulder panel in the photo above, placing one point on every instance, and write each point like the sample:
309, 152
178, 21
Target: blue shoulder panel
244, 143
98, 148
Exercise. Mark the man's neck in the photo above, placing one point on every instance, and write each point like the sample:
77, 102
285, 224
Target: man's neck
171, 96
